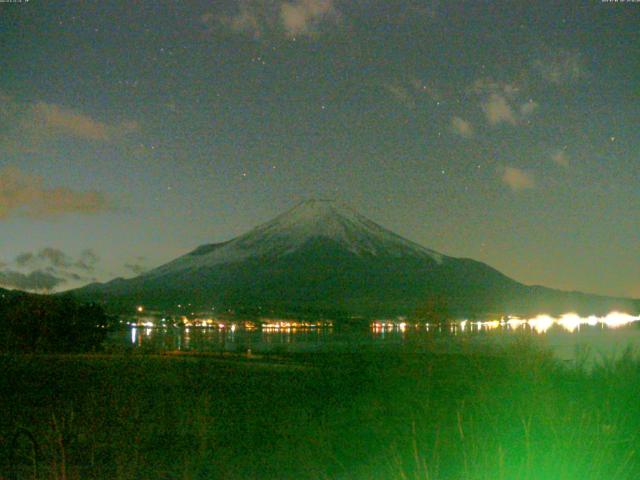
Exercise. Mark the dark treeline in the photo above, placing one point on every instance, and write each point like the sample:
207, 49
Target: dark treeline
43, 323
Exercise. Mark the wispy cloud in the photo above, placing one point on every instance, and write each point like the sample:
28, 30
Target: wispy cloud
560, 157
136, 267
412, 92
402, 94
31, 125
56, 119
50, 257
35, 281
487, 86
497, 110
24, 195
292, 18
87, 261
462, 127
52, 119
517, 179
46, 269
251, 18
502, 102
561, 67
303, 17
528, 108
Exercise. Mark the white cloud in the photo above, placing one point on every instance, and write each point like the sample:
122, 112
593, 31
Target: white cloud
293, 18
302, 17
501, 101
497, 110
517, 179
462, 127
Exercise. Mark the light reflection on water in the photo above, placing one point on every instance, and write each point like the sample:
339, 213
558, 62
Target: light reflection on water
236, 339
565, 336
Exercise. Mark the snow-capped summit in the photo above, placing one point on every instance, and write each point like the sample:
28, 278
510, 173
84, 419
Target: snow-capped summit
335, 221
327, 220
323, 258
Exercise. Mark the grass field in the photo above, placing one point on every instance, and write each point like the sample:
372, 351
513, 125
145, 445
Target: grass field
514, 414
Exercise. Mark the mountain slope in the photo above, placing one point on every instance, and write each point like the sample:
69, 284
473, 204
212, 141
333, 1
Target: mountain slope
290, 231
321, 257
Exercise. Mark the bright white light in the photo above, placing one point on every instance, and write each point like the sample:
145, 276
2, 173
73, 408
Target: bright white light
571, 322
617, 319
491, 325
541, 323
515, 323
592, 320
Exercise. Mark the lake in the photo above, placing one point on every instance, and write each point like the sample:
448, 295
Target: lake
568, 337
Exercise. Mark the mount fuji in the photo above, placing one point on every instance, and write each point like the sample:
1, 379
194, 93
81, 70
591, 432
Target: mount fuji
322, 258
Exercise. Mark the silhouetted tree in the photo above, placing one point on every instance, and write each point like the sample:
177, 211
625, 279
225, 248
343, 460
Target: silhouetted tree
41, 323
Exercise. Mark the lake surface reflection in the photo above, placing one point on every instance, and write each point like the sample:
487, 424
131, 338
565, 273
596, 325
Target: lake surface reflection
566, 336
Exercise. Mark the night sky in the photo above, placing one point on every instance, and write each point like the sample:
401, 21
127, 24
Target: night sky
132, 132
